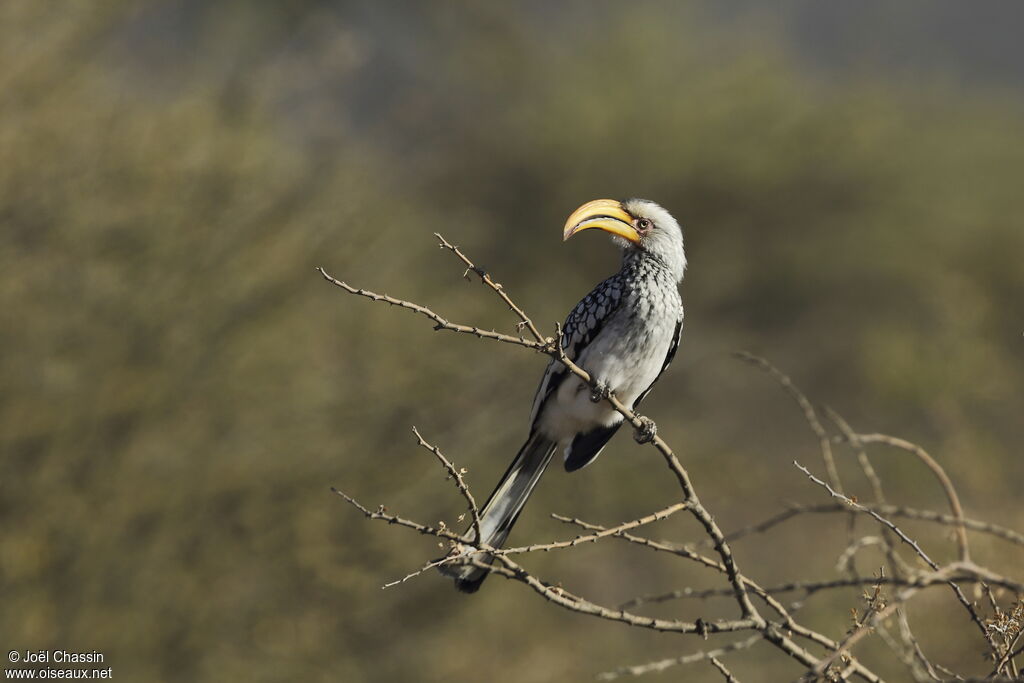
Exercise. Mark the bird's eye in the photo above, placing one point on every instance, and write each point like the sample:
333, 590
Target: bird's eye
644, 224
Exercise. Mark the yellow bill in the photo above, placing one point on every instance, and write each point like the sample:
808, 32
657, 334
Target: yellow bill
604, 214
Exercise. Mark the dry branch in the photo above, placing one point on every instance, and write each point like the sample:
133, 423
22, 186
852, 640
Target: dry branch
455, 474
837, 661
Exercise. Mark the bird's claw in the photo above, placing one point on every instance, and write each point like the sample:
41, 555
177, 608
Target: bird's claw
600, 391
646, 432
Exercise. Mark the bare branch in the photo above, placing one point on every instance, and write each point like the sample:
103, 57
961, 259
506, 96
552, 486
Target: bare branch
808, 410
940, 474
721, 667
862, 456
879, 612
524, 320
838, 663
862, 508
440, 323
812, 587
661, 665
383, 515
455, 474
796, 509
604, 533
917, 661
511, 570
912, 543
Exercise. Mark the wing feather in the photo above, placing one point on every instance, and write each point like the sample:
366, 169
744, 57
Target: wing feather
673, 347
584, 322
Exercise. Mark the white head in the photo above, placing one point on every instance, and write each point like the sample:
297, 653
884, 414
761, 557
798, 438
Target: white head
636, 224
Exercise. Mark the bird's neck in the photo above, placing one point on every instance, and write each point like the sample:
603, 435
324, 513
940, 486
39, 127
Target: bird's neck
642, 263
654, 264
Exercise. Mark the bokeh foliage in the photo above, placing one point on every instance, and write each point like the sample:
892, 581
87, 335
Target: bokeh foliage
180, 388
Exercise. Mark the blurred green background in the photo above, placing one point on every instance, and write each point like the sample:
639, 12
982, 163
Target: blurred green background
180, 388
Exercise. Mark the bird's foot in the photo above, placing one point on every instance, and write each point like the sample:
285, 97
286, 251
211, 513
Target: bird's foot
600, 391
647, 430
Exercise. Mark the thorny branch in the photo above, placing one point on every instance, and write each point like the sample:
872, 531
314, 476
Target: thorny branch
940, 474
661, 665
808, 410
794, 510
909, 541
837, 661
729, 678
455, 474
524, 320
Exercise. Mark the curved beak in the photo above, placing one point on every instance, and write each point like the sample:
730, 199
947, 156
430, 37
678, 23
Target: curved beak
605, 214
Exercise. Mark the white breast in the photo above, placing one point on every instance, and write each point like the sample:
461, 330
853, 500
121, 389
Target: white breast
627, 355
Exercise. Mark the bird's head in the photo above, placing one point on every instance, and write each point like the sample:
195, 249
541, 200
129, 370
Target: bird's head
636, 224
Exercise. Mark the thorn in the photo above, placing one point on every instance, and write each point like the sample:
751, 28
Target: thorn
702, 628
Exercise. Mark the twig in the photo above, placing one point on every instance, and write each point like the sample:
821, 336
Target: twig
795, 509
955, 507
604, 533
907, 648
916, 653
721, 667
524, 320
464, 557
946, 575
428, 566
459, 481
506, 567
862, 456
940, 474
878, 518
808, 410
441, 323
845, 561
912, 543
770, 630
661, 665
812, 587
383, 515
862, 625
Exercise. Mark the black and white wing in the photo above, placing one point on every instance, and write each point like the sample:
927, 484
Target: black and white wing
584, 322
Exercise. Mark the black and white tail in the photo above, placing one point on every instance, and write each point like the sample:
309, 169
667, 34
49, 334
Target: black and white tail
504, 505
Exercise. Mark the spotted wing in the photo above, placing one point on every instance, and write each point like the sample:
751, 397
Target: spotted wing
583, 324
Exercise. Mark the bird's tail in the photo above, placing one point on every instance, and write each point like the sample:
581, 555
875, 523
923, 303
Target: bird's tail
504, 505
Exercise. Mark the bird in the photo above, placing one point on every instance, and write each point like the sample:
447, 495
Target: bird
624, 333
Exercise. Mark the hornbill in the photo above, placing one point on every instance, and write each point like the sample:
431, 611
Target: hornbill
624, 333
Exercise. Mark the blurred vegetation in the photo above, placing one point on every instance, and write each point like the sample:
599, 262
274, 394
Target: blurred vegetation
180, 388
